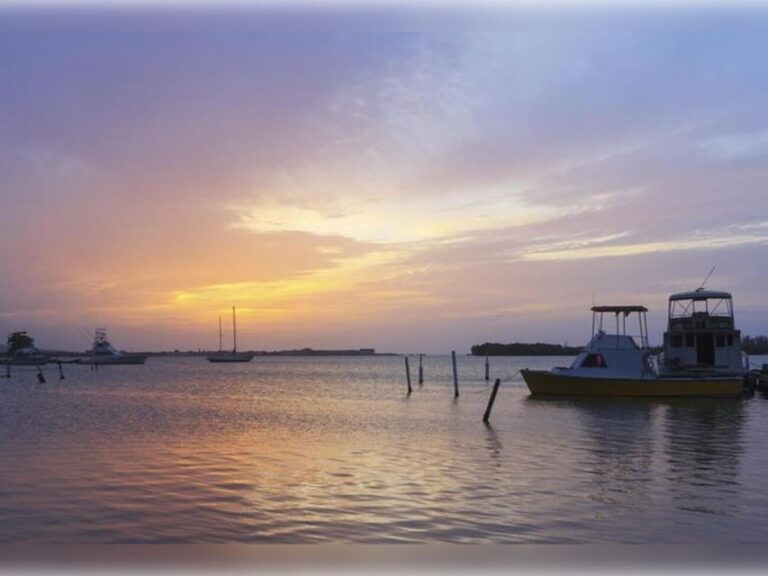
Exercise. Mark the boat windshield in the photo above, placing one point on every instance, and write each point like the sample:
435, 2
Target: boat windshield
700, 302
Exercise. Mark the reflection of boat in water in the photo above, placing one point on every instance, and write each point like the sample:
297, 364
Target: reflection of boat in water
104, 353
701, 337
230, 356
616, 365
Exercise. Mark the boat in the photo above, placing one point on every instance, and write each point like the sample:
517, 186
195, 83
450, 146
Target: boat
227, 355
618, 365
29, 356
22, 351
701, 336
103, 352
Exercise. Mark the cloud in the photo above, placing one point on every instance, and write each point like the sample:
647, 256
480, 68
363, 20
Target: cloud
735, 146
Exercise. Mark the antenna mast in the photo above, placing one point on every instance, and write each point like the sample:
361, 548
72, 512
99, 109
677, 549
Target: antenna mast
234, 329
220, 333
705, 280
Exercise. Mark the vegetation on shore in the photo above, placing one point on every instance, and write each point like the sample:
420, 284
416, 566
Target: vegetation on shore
754, 344
523, 349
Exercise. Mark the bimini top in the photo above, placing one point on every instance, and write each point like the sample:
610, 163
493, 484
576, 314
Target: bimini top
700, 295
619, 309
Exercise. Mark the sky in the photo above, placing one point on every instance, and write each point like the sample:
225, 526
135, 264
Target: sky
409, 179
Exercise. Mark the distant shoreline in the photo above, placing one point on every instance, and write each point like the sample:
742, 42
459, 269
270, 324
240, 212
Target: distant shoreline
523, 349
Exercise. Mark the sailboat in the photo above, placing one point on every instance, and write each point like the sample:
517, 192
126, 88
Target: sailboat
234, 355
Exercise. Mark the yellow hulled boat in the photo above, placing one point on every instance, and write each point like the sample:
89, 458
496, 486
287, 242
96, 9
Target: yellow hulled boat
617, 365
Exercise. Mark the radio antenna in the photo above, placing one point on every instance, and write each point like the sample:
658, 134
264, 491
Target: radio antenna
700, 288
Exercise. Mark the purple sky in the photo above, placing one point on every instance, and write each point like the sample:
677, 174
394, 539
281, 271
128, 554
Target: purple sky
409, 180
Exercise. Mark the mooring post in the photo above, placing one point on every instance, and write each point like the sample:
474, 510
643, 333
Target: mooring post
40, 377
61, 372
455, 375
421, 369
487, 369
408, 374
491, 400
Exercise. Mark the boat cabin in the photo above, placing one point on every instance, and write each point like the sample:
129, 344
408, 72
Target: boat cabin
701, 334
613, 351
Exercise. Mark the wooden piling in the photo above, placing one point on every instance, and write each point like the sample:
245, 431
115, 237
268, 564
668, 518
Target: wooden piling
487, 369
421, 369
408, 375
491, 400
61, 372
455, 375
40, 377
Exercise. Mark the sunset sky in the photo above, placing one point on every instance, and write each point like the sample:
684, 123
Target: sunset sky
352, 176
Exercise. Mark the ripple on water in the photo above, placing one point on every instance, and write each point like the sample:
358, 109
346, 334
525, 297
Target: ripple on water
292, 450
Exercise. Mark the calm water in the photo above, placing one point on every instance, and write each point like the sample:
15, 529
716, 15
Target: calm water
331, 449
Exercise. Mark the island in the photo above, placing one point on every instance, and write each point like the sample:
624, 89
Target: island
523, 349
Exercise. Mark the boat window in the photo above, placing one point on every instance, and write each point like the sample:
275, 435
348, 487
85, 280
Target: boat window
721, 340
689, 340
730, 339
677, 341
594, 361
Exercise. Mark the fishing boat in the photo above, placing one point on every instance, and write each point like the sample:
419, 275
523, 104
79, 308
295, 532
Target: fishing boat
619, 365
21, 351
102, 352
701, 336
233, 355
29, 356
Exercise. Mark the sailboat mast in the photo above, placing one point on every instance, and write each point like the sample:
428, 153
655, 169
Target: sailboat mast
234, 329
220, 333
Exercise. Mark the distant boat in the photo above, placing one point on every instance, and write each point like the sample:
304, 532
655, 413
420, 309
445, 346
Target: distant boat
103, 352
29, 356
22, 351
234, 355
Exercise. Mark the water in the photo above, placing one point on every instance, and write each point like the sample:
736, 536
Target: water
332, 450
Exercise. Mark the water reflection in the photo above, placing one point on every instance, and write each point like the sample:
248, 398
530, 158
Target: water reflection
618, 449
493, 444
704, 447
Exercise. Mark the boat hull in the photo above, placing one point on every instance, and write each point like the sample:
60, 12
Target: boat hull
112, 360
542, 383
26, 361
230, 357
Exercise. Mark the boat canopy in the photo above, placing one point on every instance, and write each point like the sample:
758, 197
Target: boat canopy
708, 302
700, 295
619, 309
621, 325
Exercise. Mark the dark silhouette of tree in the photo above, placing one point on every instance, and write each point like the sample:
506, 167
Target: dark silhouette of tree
755, 344
520, 349
18, 341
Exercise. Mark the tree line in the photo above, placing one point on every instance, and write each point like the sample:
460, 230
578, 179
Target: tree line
522, 349
754, 344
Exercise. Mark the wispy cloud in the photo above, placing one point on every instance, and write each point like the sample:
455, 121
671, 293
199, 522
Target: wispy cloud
603, 247
735, 146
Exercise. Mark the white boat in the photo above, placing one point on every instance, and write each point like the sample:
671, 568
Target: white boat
227, 355
103, 352
701, 336
21, 351
617, 365
29, 356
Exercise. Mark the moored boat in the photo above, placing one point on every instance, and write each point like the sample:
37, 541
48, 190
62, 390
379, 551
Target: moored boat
103, 352
233, 355
618, 365
22, 351
701, 336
